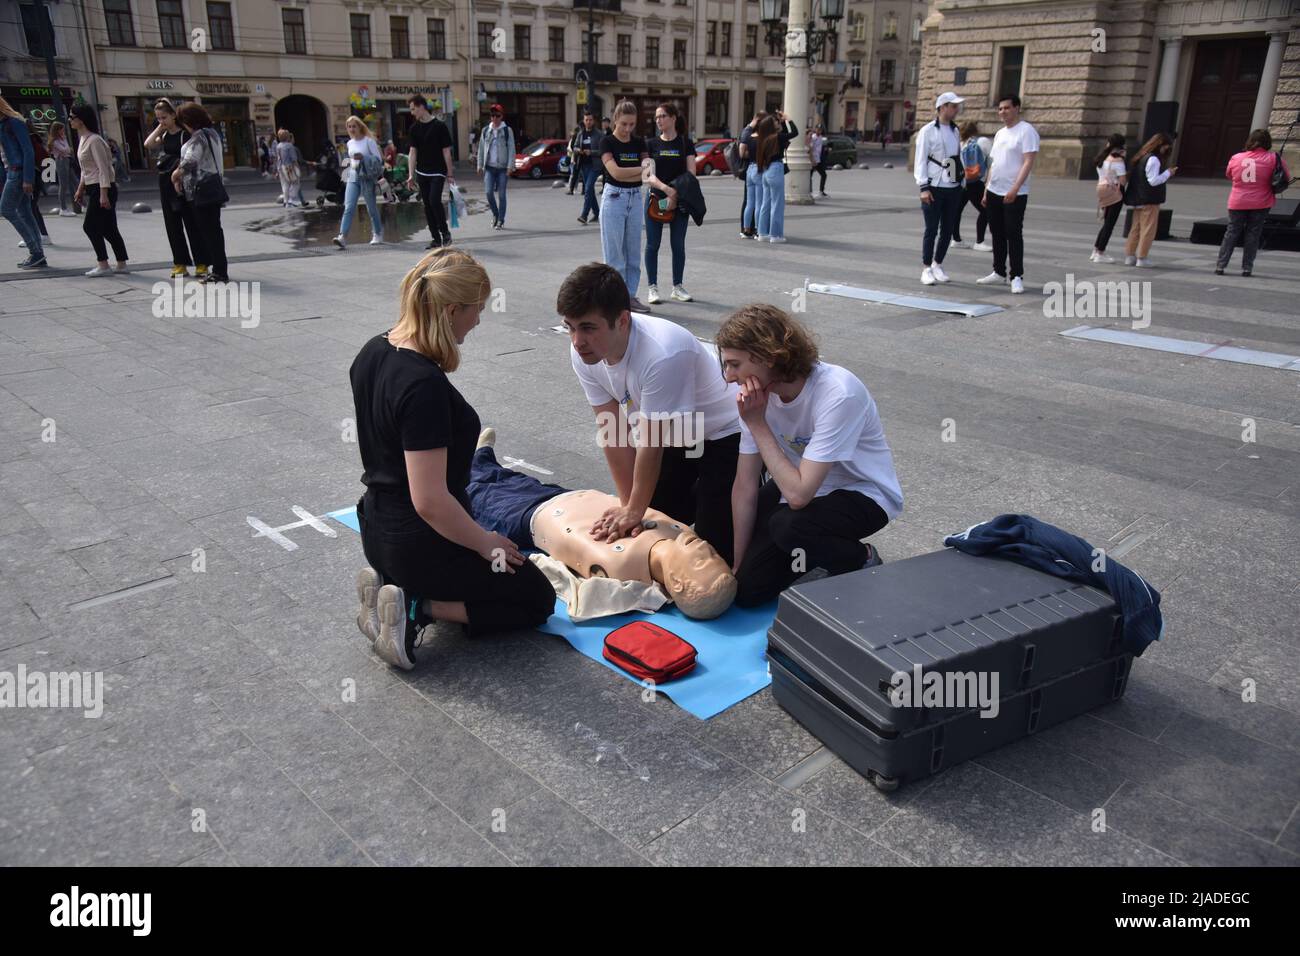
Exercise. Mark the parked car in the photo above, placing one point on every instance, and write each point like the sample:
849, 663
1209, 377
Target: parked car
840, 150
540, 158
711, 154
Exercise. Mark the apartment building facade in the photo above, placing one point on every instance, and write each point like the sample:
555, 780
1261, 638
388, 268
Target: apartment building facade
24, 77
878, 87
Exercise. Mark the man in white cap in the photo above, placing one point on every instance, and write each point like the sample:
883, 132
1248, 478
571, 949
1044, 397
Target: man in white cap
939, 176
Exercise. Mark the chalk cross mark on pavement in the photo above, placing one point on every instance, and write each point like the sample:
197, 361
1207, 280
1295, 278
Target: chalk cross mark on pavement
262, 530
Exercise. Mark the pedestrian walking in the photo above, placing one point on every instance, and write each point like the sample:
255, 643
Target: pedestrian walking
1112, 178
98, 187
20, 184
198, 175
288, 160
178, 214
1148, 174
817, 154
363, 167
429, 166
622, 153
586, 153
1255, 175
57, 145
494, 159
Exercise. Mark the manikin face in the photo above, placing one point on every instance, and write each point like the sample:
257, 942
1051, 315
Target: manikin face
696, 577
741, 366
463, 319
592, 337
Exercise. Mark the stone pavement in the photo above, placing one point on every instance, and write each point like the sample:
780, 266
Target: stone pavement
227, 687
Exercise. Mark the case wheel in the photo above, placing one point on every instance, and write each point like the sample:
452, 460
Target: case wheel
884, 784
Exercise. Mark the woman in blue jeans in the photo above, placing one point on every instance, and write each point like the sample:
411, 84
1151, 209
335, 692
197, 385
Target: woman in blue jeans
20, 181
362, 151
622, 209
673, 154
768, 169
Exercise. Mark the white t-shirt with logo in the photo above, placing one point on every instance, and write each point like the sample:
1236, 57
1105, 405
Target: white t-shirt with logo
834, 418
665, 370
1009, 148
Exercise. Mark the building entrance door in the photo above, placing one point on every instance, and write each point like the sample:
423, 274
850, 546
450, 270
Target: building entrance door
1220, 101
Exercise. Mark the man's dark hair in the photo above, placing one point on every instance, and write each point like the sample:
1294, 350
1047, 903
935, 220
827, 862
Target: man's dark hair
594, 287
417, 98
1009, 97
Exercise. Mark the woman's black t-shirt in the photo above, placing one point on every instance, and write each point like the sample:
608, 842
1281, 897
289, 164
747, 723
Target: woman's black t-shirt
169, 153
670, 158
626, 155
404, 402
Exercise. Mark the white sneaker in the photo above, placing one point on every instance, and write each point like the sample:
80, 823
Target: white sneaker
939, 274
1017, 286
391, 643
991, 279
927, 276
340, 242
100, 271
120, 269
376, 240
66, 212
776, 239
680, 294
982, 247
22, 243
368, 584
1144, 264
1102, 257
56, 211
652, 297
1130, 260
958, 244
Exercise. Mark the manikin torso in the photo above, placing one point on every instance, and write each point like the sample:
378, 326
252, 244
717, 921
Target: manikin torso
561, 527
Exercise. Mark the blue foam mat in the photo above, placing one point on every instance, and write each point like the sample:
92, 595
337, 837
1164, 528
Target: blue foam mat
732, 661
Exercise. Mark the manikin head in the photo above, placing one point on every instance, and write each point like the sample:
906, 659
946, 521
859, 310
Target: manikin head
695, 576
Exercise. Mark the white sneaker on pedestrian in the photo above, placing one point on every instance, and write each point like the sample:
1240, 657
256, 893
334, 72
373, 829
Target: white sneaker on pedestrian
1102, 257
1130, 260
652, 296
100, 271
958, 244
744, 234
776, 239
66, 212
368, 584
927, 276
982, 247
991, 279
391, 644
939, 274
1144, 264
22, 243
1017, 286
376, 240
340, 242
680, 294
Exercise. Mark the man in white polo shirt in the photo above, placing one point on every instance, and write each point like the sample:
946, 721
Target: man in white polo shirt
666, 419
1015, 147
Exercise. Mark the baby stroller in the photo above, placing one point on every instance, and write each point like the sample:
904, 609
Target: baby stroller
328, 180
394, 184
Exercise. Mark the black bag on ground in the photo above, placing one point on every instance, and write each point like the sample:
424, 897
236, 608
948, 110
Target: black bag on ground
1026, 648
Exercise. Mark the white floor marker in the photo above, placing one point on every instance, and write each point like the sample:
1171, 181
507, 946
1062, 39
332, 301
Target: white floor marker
262, 530
1222, 351
520, 463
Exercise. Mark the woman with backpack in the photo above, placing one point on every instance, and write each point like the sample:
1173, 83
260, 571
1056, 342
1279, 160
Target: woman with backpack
1112, 177
975, 151
361, 171
1146, 194
1257, 176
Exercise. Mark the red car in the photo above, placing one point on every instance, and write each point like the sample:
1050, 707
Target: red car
541, 158
710, 154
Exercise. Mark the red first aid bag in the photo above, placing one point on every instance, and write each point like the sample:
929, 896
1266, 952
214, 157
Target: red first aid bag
649, 652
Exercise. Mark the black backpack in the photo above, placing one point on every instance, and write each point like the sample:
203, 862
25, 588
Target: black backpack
734, 161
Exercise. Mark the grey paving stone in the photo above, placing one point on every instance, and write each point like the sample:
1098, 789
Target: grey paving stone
757, 734
1271, 665
846, 795
1069, 780
972, 817
543, 830
755, 823
1187, 834
71, 521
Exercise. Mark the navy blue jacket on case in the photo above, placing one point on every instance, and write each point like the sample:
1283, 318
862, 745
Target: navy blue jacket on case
1044, 547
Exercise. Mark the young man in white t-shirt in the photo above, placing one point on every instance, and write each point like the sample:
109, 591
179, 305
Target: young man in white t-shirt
1015, 147
814, 428
666, 419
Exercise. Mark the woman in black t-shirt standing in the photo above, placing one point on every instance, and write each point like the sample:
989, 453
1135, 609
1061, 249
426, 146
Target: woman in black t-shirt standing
178, 212
673, 154
621, 210
417, 436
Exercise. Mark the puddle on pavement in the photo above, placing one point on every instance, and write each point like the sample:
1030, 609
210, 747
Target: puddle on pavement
314, 226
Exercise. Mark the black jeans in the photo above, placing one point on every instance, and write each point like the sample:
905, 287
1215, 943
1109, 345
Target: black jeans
178, 217
828, 530
431, 193
940, 218
401, 546
1244, 225
36, 210
212, 240
1007, 222
1111, 216
654, 234
698, 490
101, 224
821, 169
971, 194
